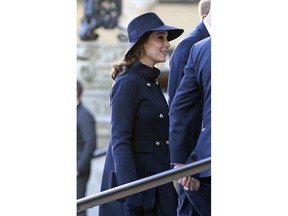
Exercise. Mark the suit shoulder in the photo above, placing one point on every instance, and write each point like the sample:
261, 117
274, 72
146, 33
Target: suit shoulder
83, 112
204, 42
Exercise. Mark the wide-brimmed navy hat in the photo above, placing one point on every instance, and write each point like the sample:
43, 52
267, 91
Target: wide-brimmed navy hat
149, 22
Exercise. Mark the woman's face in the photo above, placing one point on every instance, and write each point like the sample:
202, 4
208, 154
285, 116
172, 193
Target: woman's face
155, 48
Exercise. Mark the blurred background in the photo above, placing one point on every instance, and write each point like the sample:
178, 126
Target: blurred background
101, 41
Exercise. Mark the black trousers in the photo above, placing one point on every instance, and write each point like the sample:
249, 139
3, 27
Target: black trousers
195, 203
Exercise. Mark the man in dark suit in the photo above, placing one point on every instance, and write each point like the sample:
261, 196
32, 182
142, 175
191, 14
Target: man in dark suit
181, 52
177, 63
86, 145
193, 94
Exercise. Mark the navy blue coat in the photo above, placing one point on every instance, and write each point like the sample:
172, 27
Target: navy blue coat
139, 144
195, 86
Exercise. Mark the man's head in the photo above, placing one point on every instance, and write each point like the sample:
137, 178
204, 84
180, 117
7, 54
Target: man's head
204, 8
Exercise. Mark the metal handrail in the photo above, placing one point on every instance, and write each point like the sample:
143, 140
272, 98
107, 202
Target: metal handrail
100, 152
143, 184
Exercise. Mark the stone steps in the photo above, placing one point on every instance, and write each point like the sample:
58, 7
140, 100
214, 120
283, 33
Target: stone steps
94, 62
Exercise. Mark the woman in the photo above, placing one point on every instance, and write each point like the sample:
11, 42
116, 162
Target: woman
140, 122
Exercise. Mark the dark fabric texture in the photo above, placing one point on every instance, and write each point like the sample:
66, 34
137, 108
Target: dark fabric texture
139, 144
194, 93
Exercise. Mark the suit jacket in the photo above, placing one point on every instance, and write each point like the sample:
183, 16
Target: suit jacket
139, 137
180, 56
86, 139
194, 89
177, 63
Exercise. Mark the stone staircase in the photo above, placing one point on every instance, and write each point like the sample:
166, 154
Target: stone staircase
94, 62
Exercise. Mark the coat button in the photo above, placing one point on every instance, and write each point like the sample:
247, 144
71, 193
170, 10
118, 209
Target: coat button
149, 84
157, 143
167, 142
161, 115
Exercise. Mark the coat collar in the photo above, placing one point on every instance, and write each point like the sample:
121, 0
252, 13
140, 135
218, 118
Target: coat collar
145, 71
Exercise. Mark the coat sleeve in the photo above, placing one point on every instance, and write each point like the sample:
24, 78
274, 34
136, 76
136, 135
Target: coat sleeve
124, 103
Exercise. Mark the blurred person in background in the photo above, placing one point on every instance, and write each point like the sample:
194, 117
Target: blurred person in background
86, 145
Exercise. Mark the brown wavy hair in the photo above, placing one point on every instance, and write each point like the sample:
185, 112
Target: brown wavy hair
136, 53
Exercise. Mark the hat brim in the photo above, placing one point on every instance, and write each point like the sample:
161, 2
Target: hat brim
173, 33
